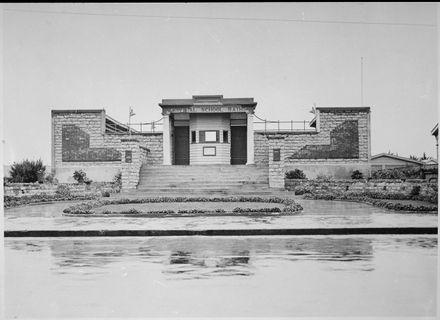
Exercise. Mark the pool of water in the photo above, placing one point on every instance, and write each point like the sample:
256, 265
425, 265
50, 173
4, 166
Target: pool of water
289, 276
316, 214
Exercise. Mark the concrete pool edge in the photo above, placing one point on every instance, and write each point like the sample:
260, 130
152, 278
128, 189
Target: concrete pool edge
220, 232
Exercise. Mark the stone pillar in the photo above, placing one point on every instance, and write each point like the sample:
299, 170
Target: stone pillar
250, 138
276, 161
166, 140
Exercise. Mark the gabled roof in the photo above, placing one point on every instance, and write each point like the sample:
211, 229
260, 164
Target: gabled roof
395, 157
434, 131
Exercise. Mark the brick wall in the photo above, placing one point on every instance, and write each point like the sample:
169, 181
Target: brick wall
276, 163
342, 134
79, 141
75, 146
340, 145
261, 149
360, 186
29, 189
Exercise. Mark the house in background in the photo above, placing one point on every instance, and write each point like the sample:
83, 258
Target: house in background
390, 161
434, 132
429, 161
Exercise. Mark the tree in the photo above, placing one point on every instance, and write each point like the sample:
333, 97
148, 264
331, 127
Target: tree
27, 171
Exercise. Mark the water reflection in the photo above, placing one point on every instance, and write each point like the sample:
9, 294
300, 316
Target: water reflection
206, 257
202, 257
160, 276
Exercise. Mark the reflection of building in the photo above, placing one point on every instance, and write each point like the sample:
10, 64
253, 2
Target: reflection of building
209, 130
390, 161
201, 256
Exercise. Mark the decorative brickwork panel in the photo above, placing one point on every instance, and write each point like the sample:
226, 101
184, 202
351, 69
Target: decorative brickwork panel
76, 147
128, 156
344, 144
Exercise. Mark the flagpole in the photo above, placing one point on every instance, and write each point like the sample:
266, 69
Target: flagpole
362, 81
129, 121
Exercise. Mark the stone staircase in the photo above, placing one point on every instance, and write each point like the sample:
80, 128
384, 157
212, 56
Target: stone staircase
204, 179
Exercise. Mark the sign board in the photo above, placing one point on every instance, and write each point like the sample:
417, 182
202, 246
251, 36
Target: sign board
209, 151
207, 109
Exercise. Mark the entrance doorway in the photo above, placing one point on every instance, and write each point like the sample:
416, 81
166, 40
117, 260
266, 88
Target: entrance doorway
181, 145
238, 145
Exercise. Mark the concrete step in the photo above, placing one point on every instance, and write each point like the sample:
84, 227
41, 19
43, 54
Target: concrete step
201, 185
173, 180
201, 191
203, 178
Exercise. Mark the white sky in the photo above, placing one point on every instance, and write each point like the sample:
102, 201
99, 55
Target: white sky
114, 56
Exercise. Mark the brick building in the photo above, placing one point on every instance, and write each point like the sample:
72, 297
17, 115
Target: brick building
209, 135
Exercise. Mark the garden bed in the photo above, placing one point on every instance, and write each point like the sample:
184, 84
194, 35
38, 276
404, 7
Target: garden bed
11, 201
186, 206
403, 205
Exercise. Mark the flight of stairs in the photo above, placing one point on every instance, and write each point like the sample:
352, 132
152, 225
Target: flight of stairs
203, 179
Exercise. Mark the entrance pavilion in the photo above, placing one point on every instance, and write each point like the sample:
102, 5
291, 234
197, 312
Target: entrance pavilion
208, 130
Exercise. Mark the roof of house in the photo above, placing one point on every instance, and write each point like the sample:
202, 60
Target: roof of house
434, 130
395, 157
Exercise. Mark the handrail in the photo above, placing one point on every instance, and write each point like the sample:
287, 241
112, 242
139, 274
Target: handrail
269, 126
293, 125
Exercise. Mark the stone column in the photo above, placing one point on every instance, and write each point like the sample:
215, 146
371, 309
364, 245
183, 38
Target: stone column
276, 166
250, 138
166, 140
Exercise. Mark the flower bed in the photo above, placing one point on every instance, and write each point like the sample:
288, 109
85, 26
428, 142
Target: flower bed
11, 201
91, 207
383, 203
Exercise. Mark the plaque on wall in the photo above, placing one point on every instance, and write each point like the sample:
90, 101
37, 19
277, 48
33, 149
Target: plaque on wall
209, 151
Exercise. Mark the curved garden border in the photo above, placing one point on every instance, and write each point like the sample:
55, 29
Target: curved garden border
382, 203
87, 208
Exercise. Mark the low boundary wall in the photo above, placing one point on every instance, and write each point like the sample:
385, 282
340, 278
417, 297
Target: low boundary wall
391, 187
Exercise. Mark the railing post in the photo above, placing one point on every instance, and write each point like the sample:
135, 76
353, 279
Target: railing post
291, 125
265, 126
278, 125
304, 125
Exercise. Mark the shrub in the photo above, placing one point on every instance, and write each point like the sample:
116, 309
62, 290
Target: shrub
117, 181
6, 180
50, 178
357, 175
63, 190
27, 171
105, 194
81, 177
399, 173
295, 174
323, 177
415, 191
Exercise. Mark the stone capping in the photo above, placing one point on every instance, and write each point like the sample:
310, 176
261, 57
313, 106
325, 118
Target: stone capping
77, 111
343, 109
135, 133
272, 133
211, 99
